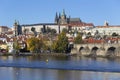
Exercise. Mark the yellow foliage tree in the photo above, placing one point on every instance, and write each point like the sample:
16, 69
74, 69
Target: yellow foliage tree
34, 44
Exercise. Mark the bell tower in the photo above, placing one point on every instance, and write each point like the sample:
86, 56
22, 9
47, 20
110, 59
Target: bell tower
15, 27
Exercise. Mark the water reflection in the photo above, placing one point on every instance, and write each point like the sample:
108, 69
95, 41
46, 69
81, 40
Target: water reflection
74, 62
48, 74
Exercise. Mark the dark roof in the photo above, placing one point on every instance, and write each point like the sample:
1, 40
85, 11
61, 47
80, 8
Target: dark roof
75, 20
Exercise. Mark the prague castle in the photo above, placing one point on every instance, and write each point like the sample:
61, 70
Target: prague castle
61, 21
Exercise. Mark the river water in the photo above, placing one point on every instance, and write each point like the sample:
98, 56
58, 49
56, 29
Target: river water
58, 68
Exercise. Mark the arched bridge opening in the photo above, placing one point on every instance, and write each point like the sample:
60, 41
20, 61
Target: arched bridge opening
81, 48
93, 51
111, 52
95, 48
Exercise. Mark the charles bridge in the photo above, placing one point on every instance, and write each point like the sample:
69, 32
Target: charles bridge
103, 49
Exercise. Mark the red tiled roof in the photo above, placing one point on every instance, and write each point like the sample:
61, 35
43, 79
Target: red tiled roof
113, 26
9, 32
80, 24
4, 27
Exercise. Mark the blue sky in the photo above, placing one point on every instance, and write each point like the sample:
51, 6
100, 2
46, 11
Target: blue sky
43, 11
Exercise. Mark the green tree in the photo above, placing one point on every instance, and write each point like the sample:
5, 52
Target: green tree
48, 30
114, 34
16, 46
78, 39
34, 31
34, 44
64, 30
60, 45
53, 31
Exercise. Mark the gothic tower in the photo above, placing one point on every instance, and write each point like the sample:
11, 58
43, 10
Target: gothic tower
61, 18
56, 18
106, 23
17, 28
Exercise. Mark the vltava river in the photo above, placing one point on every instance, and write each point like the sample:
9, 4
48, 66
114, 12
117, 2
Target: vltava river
59, 68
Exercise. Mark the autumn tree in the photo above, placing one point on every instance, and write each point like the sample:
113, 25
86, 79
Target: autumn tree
78, 39
16, 46
34, 44
46, 44
61, 44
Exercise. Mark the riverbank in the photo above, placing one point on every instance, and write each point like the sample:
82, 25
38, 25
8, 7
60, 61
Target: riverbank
81, 68
59, 55
38, 54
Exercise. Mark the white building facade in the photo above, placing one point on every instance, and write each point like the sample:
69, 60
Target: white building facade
106, 30
38, 27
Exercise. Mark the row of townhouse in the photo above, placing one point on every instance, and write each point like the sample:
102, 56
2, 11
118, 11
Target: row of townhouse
7, 41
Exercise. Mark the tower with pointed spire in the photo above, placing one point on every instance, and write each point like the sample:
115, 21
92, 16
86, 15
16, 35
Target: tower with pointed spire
17, 28
61, 19
63, 16
56, 18
106, 23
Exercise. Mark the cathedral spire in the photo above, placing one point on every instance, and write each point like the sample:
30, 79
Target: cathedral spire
59, 16
68, 19
63, 13
15, 23
56, 18
106, 23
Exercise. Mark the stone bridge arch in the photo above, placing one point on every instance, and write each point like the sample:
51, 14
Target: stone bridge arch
100, 49
95, 48
117, 51
81, 48
84, 50
93, 51
111, 51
